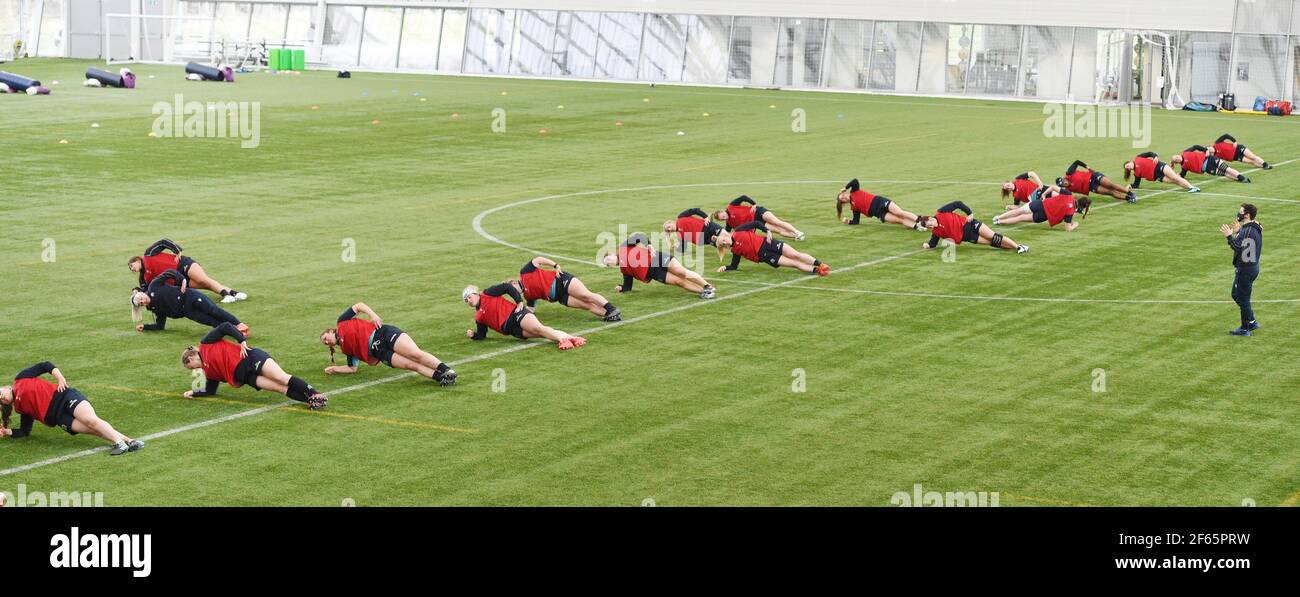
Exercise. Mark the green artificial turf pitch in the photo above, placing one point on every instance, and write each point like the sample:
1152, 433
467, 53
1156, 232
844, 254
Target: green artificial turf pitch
917, 370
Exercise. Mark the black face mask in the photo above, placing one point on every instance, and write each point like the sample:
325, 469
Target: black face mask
1241, 217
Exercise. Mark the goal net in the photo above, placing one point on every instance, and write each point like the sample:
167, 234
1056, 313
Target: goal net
169, 39
1137, 66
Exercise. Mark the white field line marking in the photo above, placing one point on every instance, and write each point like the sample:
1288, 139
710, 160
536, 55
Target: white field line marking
360, 386
478, 219
1016, 298
1218, 179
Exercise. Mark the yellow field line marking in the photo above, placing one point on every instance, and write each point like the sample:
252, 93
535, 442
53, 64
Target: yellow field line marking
293, 408
1054, 502
724, 164
415, 424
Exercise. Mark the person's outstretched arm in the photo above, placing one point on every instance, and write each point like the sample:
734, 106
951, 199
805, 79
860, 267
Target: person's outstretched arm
954, 206
162, 245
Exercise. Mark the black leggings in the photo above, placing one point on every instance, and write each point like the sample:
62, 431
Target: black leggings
201, 309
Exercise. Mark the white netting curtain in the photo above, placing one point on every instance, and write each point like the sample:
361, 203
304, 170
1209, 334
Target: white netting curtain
1263, 16
618, 47
1260, 68
799, 45
53, 34
381, 31
993, 64
487, 41
342, 39
895, 56
706, 49
753, 51
663, 50
848, 49
268, 24
1203, 65
451, 42
1047, 62
420, 30
534, 37
575, 45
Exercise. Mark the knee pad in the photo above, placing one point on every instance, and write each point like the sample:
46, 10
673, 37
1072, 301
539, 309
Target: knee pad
997, 240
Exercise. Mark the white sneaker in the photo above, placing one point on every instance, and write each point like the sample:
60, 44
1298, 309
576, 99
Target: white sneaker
229, 298
1022, 249
995, 221
799, 236
241, 296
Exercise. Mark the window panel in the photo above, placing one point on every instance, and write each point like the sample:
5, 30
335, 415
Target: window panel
534, 37
619, 45
753, 51
848, 48
575, 45
268, 23
895, 56
664, 48
487, 40
1260, 68
1047, 62
451, 42
420, 38
799, 52
383, 27
706, 49
342, 35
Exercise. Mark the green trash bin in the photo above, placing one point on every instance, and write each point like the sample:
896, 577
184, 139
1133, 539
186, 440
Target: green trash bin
299, 60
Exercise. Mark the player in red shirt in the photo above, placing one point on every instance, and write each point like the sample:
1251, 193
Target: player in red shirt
493, 310
873, 206
742, 210
1147, 166
746, 242
370, 341
1082, 180
1201, 160
536, 282
1022, 189
637, 259
55, 405
1052, 205
693, 226
947, 224
156, 260
1228, 149
237, 364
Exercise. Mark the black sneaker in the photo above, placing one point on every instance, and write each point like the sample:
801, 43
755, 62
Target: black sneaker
119, 449
448, 377
1132, 197
1268, 166
614, 315
316, 402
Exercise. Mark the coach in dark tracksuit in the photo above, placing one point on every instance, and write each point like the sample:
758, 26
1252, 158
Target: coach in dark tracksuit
1246, 238
169, 297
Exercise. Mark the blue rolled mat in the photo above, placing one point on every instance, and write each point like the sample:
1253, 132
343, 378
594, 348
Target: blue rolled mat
17, 82
210, 73
111, 80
